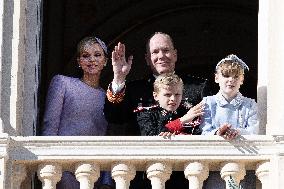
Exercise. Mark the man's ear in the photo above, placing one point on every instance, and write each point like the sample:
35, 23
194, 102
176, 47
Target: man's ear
175, 53
155, 95
148, 59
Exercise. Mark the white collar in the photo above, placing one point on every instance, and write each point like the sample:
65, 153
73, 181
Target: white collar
236, 102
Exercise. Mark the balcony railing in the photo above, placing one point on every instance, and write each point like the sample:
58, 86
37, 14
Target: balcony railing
22, 157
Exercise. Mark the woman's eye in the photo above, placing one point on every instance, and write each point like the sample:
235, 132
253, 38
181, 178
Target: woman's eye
85, 55
98, 55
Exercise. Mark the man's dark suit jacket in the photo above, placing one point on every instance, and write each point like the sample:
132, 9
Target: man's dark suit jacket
121, 118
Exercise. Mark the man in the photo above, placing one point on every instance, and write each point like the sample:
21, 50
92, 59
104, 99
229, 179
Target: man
123, 99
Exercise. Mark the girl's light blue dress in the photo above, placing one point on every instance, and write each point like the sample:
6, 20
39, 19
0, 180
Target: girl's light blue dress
241, 113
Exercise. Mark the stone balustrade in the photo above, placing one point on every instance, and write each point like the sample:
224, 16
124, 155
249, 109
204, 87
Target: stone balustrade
123, 156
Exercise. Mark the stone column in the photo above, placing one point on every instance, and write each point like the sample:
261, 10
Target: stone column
5, 162
235, 170
262, 173
3, 172
276, 175
18, 175
158, 173
1, 60
275, 91
49, 175
122, 173
87, 174
196, 173
17, 67
262, 64
31, 71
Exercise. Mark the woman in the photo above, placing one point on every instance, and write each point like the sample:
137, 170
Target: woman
74, 106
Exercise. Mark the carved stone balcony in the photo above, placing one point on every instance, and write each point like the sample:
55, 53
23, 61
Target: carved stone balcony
22, 157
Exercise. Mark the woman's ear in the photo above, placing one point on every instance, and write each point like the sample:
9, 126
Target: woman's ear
105, 64
78, 62
155, 95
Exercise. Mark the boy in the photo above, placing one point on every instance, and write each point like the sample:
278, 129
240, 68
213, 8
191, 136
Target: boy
169, 116
229, 113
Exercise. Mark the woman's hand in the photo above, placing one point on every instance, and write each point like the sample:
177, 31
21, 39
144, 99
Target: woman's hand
120, 66
195, 111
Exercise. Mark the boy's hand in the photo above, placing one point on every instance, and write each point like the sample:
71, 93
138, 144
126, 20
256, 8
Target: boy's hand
167, 134
227, 132
195, 111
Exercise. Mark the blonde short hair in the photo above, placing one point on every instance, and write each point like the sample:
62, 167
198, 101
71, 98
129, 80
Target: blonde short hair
168, 79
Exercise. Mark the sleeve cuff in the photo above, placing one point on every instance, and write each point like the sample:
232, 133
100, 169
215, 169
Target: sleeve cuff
174, 126
115, 98
116, 88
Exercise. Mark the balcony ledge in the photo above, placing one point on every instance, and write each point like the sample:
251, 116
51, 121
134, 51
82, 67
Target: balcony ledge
133, 148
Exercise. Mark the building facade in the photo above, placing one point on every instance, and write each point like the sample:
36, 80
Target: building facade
22, 154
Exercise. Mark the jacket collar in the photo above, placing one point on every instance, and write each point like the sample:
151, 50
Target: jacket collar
165, 112
236, 102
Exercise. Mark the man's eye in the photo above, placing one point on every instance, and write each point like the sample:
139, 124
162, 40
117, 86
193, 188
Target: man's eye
167, 95
155, 52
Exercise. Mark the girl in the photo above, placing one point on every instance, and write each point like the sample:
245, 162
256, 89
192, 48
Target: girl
229, 113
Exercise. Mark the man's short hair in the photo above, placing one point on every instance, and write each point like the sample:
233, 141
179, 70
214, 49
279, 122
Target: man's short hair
161, 33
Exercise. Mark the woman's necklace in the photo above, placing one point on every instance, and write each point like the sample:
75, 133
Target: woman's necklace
89, 83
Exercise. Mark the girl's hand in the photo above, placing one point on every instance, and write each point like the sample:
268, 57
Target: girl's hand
227, 132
